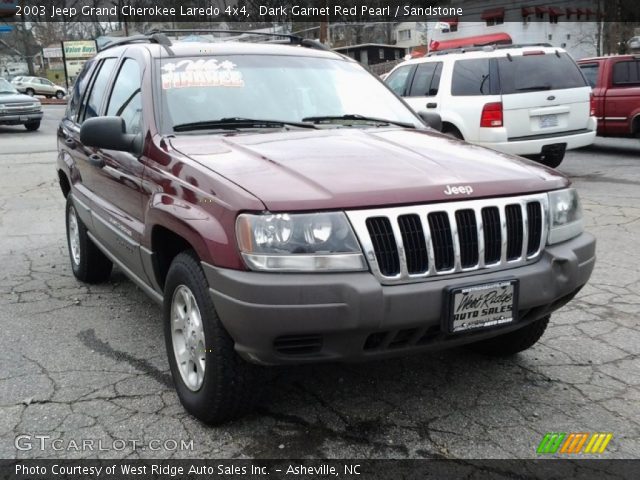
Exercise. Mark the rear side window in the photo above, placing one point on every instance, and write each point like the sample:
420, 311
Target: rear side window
426, 80
78, 90
626, 73
531, 73
98, 90
125, 98
397, 80
590, 72
471, 77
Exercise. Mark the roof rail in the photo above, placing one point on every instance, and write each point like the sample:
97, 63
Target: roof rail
153, 37
486, 48
292, 39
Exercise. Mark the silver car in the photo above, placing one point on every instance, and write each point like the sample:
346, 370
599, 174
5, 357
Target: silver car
39, 86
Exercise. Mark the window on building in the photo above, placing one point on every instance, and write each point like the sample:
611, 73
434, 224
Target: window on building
404, 35
550, 37
568, 36
494, 21
381, 53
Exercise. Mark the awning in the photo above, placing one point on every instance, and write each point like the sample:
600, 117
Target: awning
493, 13
475, 41
526, 11
555, 12
450, 20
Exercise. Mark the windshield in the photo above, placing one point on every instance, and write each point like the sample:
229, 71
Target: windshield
275, 87
6, 87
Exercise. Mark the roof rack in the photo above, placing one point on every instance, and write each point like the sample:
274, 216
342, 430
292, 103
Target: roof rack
486, 48
291, 39
152, 37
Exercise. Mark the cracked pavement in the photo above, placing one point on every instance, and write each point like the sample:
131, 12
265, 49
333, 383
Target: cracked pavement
84, 362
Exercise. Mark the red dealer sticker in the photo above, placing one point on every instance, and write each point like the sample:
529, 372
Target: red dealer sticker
201, 73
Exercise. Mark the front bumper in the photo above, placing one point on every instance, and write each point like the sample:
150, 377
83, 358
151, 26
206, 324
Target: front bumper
300, 318
17, 119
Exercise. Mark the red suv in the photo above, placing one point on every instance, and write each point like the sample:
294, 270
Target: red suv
284, 206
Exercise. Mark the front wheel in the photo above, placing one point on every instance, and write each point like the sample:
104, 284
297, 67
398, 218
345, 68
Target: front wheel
32, 126
59, 94
213, 383
88, 263
513, 342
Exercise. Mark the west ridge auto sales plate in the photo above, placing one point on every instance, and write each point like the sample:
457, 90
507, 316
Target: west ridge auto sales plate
482, 306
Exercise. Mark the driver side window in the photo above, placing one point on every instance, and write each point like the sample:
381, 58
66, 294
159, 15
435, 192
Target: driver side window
126, 99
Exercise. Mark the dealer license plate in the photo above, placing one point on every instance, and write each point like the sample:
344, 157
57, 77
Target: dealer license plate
482, 306
548, 121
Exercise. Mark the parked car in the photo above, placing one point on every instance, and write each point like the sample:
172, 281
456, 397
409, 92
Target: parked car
18, 109
284, 206
616, 89
39, 86
529, 101
634, 44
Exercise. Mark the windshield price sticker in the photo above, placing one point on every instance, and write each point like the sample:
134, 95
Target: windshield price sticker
201, 73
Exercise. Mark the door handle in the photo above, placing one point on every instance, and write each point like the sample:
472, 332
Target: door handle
96, 160
70, 142
432, 105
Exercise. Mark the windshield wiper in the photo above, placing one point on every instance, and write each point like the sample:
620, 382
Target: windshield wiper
534, 87
233, 123
354, 116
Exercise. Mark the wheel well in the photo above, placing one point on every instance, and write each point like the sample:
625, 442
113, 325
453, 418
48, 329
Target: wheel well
166, 245
65, 186
635, 125
448, 127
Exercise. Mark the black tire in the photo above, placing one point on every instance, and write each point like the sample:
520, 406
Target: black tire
59, 94
92, 266
512, 342
231, 386
32, 126
30, 91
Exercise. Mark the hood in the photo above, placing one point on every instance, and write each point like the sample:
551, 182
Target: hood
16, 98
351, 168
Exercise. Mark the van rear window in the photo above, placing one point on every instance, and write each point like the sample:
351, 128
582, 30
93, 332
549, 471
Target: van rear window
530, 73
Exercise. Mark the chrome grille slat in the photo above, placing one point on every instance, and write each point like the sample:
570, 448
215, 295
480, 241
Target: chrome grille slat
397, 253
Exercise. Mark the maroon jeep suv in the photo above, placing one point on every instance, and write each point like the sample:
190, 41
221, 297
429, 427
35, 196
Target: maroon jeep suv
284, 206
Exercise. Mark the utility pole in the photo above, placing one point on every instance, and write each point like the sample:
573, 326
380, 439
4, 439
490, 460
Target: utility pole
27, 45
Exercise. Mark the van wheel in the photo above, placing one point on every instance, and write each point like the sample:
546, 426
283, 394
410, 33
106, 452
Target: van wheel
213, 383
88, 263
513, 342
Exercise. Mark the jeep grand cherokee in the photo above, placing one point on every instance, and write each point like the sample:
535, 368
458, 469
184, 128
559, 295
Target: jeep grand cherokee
284, 206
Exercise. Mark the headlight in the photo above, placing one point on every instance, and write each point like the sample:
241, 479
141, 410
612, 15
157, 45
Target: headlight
565, 216
309, 242
36, 106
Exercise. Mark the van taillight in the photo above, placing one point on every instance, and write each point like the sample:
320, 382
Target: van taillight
592, 105
491, 115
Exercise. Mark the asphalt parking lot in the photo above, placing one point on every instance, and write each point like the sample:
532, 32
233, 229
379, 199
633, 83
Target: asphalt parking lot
84, 362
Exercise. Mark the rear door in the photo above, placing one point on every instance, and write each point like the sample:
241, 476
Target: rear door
543, 94
423, 92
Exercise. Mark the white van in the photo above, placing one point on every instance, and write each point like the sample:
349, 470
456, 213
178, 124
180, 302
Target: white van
525, 100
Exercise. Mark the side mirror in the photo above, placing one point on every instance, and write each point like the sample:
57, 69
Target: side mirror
109, 133
432, 119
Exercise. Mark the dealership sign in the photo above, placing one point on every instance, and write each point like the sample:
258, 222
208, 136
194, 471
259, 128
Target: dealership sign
79, 49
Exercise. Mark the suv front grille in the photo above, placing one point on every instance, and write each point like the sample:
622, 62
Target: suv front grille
415, 243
